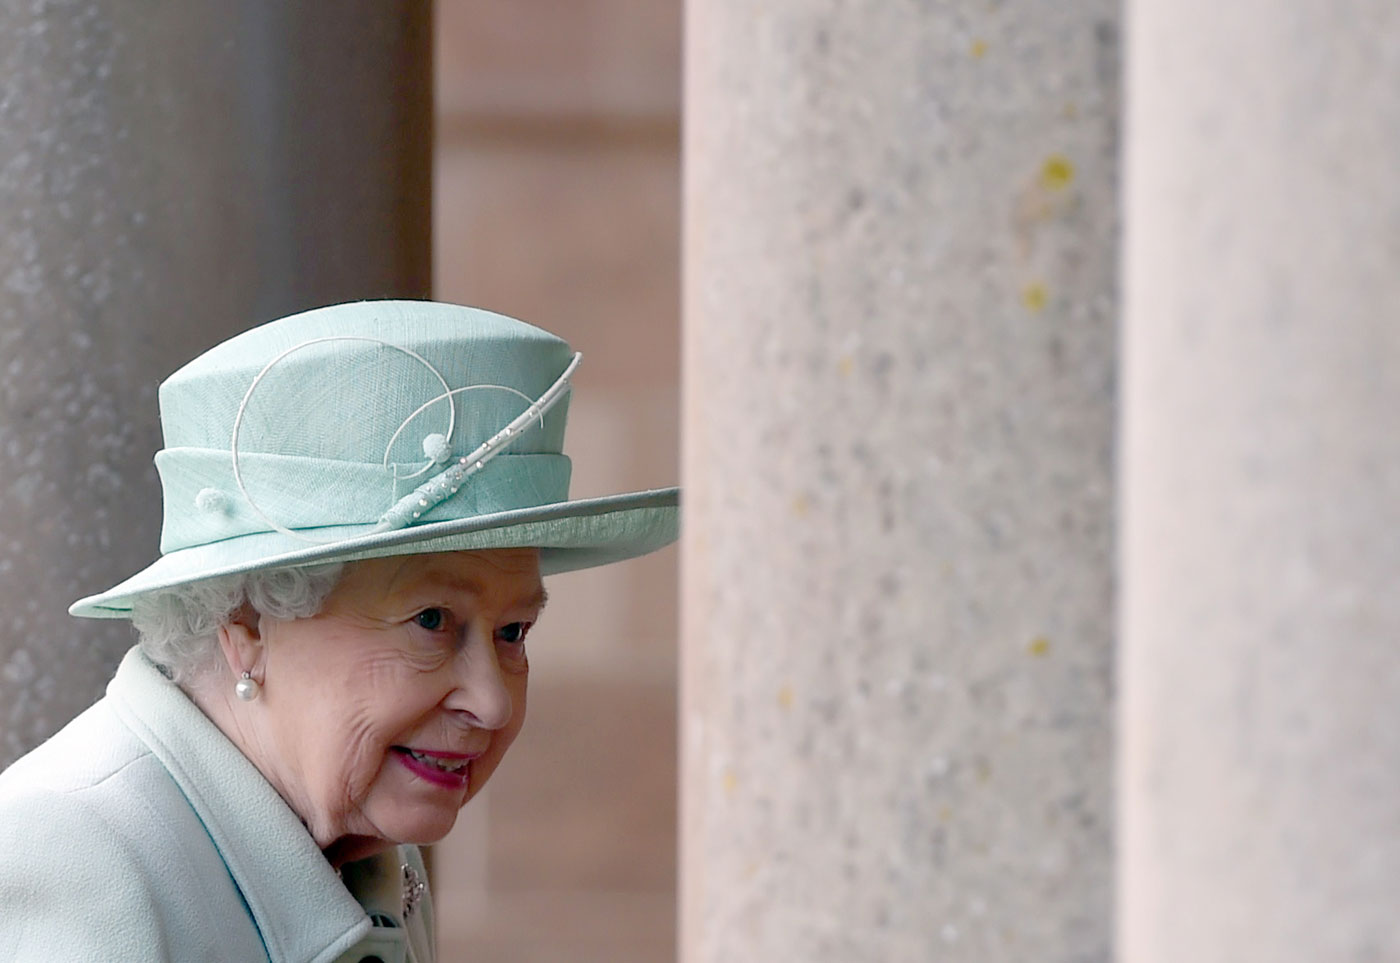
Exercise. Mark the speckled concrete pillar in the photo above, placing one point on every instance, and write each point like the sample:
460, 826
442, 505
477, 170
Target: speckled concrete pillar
1260, 803
167, 179
899, 408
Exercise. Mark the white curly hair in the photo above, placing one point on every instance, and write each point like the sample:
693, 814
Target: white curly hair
178, 627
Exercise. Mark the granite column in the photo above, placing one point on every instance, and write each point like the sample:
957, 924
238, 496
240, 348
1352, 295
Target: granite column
898, 410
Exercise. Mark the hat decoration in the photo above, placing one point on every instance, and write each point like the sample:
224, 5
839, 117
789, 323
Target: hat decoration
377, 428
436, 447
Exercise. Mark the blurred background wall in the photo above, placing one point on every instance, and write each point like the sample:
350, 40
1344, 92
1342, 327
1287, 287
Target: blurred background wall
557, 200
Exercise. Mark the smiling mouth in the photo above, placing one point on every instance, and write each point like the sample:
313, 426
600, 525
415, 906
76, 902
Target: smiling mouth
453, 764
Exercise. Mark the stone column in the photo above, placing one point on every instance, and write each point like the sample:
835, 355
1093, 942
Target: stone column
1260, 775
899, 406
166, 180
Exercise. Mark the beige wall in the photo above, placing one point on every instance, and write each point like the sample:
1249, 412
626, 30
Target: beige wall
557, 201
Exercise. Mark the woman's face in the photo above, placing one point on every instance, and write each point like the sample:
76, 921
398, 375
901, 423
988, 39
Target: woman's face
380, 717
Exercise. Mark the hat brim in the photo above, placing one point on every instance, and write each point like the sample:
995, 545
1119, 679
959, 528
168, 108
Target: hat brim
570, 535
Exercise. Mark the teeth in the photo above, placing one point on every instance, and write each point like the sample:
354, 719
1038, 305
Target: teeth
447, 765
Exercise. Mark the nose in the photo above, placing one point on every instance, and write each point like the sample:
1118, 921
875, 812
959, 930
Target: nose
480, 697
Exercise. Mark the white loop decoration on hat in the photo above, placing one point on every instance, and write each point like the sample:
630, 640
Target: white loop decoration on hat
445, 484
442, 450
257, 379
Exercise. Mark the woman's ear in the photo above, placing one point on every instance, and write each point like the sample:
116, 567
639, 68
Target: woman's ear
240, 641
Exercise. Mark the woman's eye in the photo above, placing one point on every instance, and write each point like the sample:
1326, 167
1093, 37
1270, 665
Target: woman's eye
513, 633
431, 619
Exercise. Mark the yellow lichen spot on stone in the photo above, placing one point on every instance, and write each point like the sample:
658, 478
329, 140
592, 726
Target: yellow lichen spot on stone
751, 869
1056, 173
1039, 646
1071, 111
1034, 297
730, 781
978, 49
983, 770
945, 814
801, 505
846, 366
785, 697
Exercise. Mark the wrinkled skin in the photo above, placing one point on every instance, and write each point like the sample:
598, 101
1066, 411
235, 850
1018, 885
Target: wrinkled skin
420, 652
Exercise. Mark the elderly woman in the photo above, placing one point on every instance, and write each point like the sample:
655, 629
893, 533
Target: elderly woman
360, 502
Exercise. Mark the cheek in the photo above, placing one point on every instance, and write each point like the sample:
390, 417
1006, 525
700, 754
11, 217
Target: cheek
383, 710
342, 753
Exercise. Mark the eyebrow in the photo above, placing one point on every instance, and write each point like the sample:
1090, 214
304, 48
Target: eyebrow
535, 599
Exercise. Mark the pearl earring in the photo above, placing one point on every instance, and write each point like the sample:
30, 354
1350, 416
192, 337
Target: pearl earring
247, 688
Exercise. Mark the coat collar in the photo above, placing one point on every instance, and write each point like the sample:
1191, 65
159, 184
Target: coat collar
300, 907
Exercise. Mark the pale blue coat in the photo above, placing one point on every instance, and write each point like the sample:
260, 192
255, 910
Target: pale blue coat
139, 832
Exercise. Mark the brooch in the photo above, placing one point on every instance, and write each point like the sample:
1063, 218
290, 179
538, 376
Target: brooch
413, 890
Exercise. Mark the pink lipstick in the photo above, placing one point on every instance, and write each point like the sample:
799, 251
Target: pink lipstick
450, 770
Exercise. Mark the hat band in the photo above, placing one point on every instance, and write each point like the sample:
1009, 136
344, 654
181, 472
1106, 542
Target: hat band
203, 503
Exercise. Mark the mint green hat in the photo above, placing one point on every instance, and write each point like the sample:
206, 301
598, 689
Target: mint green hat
371, 429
